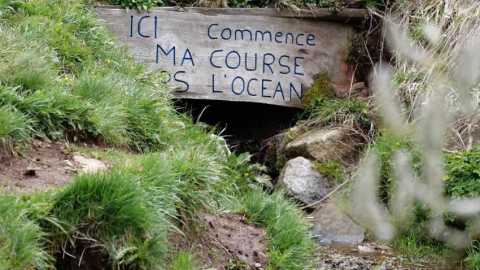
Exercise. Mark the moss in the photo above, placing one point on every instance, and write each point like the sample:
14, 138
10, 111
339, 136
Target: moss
331, 169
321, 87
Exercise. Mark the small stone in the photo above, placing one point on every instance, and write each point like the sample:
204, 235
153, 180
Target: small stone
301, 181
366, 249
68, 163
258, 265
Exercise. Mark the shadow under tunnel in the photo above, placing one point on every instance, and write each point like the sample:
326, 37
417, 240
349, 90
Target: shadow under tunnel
244, 125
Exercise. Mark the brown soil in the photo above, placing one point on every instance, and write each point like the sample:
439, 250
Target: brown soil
226, 242
44, 165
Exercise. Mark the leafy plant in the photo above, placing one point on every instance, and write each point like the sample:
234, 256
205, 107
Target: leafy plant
463, 173
138, 4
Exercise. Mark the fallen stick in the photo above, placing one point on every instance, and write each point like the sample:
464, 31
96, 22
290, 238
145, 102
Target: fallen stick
326, 196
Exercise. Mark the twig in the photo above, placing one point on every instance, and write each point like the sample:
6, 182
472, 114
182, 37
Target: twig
327, 196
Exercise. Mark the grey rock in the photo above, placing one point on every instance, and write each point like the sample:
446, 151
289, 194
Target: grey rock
321, 144
301, 181
332, 226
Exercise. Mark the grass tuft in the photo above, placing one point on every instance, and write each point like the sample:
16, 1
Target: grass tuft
290, 245
22, 241
14, 125
184, 260
107, 214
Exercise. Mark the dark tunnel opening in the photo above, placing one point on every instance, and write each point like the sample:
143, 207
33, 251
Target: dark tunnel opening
244, 125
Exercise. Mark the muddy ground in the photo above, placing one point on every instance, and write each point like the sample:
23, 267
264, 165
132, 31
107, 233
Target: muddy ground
43, 165
225, 242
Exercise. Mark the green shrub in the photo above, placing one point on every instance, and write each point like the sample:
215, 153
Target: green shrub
22, 242
463, 173
179, 182
462, 176
322, 106
462, 179
290, 245
148, 122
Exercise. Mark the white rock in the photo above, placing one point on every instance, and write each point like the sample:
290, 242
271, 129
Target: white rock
366, 249
89, 165
300, 180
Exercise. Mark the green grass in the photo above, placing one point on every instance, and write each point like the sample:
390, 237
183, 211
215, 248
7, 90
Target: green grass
14, 125
333, 111
416, 244
184, 260
472, 260
109, 211
461, 180
70, 81
333, 170
323, 108
22, 241
290, 245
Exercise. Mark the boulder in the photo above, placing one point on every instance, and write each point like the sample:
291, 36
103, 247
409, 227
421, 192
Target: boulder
301, 181
272, 151
332, 226
321, 144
